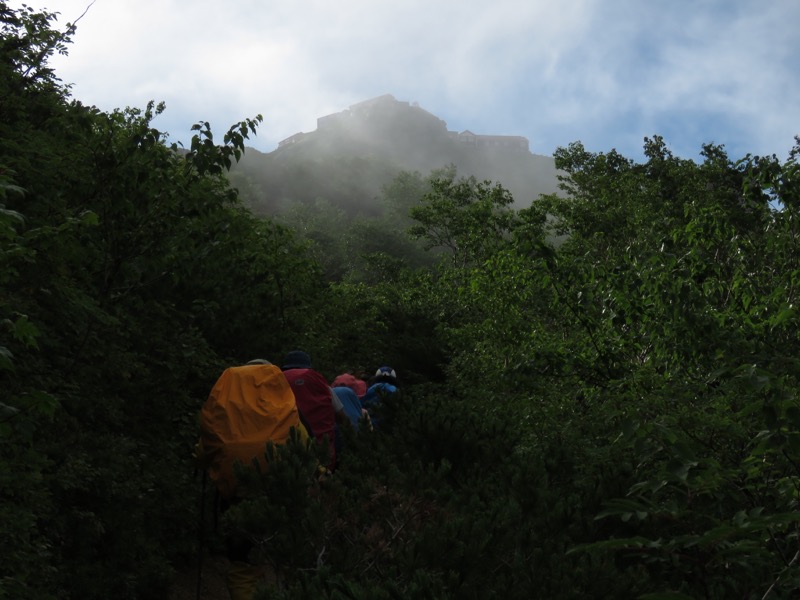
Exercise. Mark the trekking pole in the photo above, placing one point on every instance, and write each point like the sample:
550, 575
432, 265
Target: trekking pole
200, 536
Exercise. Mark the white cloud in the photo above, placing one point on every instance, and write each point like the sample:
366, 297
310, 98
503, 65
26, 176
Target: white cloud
607, 72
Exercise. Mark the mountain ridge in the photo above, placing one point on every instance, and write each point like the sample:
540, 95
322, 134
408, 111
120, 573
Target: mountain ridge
356, 152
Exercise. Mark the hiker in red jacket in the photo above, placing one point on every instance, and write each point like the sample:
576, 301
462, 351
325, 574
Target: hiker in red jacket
359, 386
319, 407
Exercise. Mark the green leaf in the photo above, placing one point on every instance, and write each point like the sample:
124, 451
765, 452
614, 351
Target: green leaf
89, 217
782, 316
25, 331
44, 403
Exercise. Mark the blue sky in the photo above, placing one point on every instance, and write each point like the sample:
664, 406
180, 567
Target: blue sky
605, 72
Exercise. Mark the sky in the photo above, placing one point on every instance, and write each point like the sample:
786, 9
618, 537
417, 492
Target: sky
607, 73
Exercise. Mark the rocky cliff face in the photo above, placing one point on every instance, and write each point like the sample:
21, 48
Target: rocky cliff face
354, 153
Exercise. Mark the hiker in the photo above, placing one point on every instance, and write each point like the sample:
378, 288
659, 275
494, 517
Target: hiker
359, 386
350, 390
382, 385
248, 407
319, 407
352, 405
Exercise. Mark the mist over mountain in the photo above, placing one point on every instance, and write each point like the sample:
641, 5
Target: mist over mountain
354, 153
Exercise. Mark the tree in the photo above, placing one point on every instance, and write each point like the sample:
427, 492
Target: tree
683, 318
119, 255
466, 217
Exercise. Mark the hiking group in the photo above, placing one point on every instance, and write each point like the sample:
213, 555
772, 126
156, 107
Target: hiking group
253, 405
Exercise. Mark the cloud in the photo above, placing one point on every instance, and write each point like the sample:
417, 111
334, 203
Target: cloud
607, 72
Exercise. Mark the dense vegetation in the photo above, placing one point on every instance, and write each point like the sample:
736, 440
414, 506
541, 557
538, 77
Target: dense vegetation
600, 390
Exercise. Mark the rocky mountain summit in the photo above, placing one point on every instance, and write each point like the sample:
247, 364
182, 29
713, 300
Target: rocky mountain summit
353, 153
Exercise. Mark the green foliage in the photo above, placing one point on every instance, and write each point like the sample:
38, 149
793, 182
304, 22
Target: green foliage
441, 504
119, 257
685, 320
28, 41
362, 248
465, 217
599, 391
208, 158
280, 510
675, 336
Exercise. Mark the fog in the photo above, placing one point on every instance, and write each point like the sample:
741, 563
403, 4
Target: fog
354, 153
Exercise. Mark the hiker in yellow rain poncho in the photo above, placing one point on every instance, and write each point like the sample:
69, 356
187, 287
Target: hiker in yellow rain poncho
248, 407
